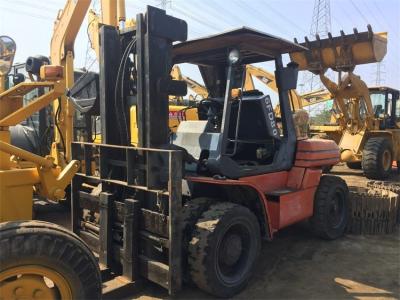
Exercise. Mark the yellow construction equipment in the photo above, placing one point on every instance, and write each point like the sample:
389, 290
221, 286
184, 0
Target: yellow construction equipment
26, 272
369, 133
7, 50
199, 89
298, 102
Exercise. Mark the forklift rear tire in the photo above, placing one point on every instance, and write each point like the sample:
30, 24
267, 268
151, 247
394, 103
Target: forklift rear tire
45, 261
354, 165
224, 249
326, 169
377, 158
331, 208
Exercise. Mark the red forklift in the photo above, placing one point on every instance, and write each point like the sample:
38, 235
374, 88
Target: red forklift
193, 206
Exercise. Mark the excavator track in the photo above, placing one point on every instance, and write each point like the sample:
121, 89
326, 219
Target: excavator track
374, 210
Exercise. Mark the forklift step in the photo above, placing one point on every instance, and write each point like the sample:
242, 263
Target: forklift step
280, 192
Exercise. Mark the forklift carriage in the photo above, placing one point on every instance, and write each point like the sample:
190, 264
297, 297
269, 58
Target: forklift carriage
197, 207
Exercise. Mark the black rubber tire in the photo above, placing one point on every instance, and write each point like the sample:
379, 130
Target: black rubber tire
191, 212
354, 165
51, 246
372, 160
326, 169
328, 189
208, 238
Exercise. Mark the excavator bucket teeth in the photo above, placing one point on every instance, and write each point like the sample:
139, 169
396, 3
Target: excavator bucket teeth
341, 53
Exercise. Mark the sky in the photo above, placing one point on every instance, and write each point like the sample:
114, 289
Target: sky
30, 24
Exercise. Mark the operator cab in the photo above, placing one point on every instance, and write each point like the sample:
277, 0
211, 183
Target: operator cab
386, 105
237, 133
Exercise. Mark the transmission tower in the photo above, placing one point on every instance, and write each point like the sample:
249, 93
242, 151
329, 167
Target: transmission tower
379, 74
320, 25
164, 4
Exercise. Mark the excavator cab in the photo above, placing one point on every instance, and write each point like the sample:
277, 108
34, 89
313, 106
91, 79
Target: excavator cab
7, 53
238, 133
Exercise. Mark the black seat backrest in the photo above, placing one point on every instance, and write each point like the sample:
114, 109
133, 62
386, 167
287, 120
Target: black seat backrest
257, 120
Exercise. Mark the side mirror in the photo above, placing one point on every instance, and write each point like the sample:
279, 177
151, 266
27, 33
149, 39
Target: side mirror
7, 53
287, 77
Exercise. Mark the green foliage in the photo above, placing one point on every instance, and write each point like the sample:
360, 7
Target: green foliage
322, 118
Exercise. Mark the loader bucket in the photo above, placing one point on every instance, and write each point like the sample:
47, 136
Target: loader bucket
341, 53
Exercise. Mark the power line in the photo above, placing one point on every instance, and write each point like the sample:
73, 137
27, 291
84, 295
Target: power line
27, 4
196, 19
359, 11
214, 15
373, 14
260, 16
285, 17
18, 12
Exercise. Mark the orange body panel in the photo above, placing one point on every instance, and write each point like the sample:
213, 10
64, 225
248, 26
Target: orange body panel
311, 178
295, 177
316, 153
267, 182
286, 209
295, 207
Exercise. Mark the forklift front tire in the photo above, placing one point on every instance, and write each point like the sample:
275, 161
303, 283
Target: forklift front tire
331, 208
224, 249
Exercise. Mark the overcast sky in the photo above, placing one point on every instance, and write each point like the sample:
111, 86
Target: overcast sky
30, 23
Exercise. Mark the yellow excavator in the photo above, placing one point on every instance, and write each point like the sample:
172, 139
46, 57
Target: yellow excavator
368, 126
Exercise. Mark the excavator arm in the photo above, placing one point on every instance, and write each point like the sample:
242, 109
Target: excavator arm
268, 79
196, 87
66, 28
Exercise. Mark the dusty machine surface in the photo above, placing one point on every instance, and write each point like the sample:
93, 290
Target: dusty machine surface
194, 206
368, 131
191, 207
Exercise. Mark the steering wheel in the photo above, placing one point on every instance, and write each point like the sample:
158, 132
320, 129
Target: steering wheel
210, 107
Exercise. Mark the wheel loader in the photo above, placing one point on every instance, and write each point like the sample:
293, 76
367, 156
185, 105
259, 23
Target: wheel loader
193, 207
368, 131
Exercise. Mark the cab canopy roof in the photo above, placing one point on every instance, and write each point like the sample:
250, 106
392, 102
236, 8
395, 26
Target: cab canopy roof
382, 89
254, 46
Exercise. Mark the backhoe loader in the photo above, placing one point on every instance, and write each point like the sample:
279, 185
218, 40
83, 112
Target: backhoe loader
24, 267
369, 130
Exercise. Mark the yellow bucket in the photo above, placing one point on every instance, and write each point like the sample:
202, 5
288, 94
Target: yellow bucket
341, 53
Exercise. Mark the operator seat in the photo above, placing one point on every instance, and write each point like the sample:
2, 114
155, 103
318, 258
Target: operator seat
257, 143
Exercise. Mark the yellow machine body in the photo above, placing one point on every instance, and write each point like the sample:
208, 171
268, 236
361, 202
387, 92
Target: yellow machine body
22, 172
351, 94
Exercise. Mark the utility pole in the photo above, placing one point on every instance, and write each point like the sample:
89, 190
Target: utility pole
320, 25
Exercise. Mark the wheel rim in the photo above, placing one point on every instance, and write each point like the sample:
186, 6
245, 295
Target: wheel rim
386, 160
336, 210
233, 254
33, 282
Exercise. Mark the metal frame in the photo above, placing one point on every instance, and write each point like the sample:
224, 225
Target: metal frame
126, 201
125, 205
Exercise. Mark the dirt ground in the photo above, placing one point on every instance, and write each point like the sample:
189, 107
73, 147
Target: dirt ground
296, 265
